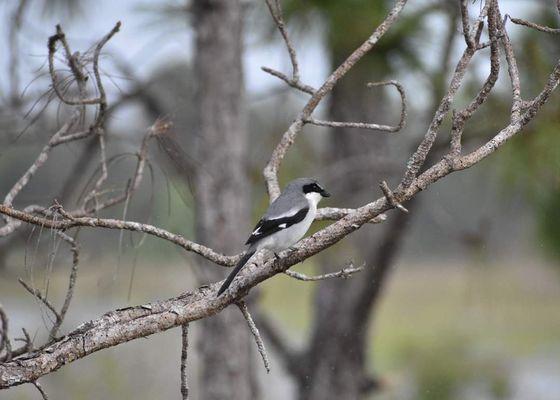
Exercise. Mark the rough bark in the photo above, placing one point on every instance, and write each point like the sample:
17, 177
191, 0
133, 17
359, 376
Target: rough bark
221, 188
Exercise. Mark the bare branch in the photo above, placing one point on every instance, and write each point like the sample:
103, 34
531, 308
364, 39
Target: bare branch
288, 355
344, 273
184, 354
99, 83
513, 71
77, 70
279, 19
41, 159
158, 128
271, 170
294, 81
367, 125
71, 283
469, 40
188, 245
37, 294
460, 118
295, 84
417, 160
255, 331
538, 27
5, 344
26, 348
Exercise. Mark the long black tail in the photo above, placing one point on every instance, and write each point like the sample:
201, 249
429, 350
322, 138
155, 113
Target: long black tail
236, 270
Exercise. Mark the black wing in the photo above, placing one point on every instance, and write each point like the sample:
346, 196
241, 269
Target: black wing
267, 227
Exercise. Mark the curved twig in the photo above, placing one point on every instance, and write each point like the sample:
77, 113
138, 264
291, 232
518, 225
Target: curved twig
368, 125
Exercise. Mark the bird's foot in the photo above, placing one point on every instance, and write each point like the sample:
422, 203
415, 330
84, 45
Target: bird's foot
276, 256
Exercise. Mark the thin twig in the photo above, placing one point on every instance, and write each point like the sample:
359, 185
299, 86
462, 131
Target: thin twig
26, 348
184, 354
37, 293
295, 84
179, 240
418, 158
461, 117
74, 249
367, 125
41, 390
255, 331
344, 273
294, 81
529, 24
517, 103
5, 344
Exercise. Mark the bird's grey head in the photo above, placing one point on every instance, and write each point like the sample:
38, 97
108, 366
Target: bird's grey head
307, 186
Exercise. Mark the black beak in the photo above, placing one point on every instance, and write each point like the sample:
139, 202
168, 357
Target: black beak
324, 193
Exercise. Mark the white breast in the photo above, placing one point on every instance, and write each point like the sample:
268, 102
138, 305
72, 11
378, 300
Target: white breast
287, 237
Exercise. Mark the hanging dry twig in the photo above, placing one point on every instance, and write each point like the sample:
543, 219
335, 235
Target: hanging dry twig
37, 294
255, 331
184, 354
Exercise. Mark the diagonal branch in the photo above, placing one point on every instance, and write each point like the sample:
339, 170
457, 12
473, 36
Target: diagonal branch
270, 172
255, 331
277, 15
37, 294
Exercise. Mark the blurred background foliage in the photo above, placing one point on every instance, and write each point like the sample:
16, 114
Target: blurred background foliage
471, 308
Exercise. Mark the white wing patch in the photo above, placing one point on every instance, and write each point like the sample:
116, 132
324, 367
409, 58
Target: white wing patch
256, 231
282, 226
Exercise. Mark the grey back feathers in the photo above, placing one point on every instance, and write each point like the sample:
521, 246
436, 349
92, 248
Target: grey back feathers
291, 200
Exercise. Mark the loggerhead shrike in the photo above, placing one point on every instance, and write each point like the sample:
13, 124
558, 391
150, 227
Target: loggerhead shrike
286, 221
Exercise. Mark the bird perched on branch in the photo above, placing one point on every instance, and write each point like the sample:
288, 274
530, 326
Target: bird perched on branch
285, 222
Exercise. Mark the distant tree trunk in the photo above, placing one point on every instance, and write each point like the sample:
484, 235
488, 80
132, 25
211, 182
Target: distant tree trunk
222, 197
335, 359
